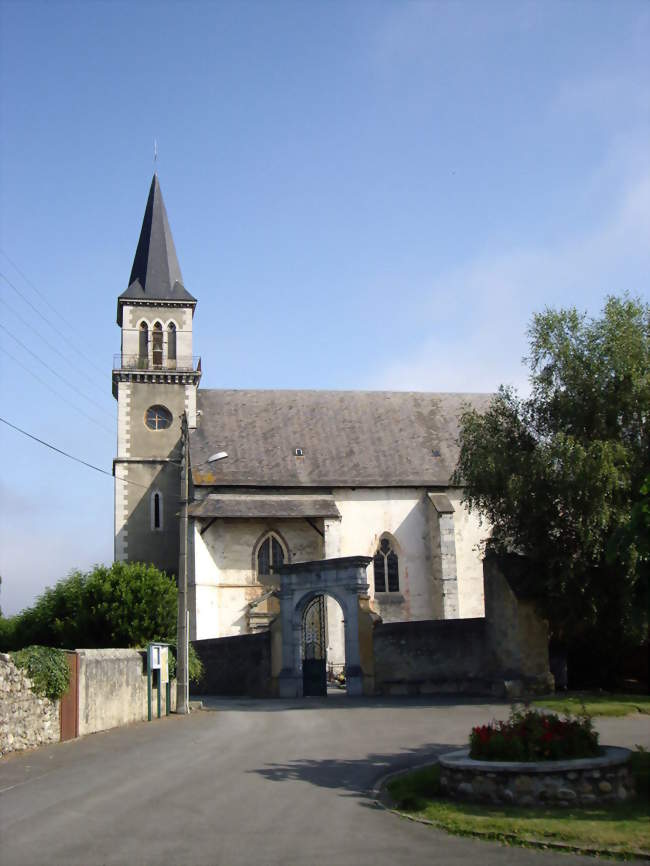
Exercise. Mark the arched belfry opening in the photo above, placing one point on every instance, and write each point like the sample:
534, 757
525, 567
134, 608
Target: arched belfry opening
305, 590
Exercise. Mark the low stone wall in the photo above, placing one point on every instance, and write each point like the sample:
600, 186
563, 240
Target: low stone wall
235, 666
113, 689
504, 654
431, 657
582, 782
26, 720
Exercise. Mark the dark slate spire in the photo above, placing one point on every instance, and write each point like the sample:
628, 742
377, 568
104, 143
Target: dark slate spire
156, 274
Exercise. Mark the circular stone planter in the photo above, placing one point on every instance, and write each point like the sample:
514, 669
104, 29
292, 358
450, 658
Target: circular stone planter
581, 782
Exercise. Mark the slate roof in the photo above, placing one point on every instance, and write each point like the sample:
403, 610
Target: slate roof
349, 438
156, 274
252, 505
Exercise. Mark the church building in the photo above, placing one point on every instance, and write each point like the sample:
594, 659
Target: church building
280, 476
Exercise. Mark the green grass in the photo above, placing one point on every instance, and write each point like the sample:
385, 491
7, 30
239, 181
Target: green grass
595, 703
621, 829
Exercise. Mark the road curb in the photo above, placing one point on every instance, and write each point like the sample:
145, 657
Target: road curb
486, 835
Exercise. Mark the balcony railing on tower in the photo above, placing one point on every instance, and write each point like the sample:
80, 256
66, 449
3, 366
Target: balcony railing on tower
155, 363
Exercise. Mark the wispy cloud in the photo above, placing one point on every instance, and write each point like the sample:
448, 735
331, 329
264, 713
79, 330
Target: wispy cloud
493, 298
27, 568
39, 547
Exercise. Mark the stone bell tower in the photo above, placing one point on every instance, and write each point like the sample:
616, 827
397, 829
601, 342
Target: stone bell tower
155, 378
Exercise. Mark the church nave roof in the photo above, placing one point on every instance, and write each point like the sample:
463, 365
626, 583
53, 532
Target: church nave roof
347, 438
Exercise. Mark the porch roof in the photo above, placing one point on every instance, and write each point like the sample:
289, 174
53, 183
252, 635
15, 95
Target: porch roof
252, 505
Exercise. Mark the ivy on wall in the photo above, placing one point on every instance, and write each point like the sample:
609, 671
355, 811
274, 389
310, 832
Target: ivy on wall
47, 668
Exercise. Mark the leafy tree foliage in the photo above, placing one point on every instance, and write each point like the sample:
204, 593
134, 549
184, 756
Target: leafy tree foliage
124, 605
563, 476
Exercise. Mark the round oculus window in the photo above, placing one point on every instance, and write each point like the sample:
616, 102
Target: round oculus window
158, 418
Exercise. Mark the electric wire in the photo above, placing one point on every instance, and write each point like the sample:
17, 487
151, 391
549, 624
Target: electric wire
71, 456
55, 373
61, 396
73, 364
40, 294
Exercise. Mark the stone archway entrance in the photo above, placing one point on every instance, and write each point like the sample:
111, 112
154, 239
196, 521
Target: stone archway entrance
344, 579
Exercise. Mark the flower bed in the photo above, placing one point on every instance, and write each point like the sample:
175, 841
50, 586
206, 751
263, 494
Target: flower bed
537, 759
582, 782
532, 736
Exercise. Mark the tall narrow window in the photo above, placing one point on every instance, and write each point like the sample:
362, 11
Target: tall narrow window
270, 555
156, 510
157, 339
143, 349
171, 344
386, 567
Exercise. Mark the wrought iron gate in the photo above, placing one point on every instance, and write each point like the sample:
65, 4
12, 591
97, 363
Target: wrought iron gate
314, 648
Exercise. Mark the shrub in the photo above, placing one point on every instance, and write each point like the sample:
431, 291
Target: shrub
46, 667
195, 665
124, 605
532, 736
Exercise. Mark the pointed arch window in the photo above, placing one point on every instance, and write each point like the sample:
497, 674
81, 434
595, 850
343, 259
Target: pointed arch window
171, 342
270, 555
157, 345
143, 345
156, 511
386, 567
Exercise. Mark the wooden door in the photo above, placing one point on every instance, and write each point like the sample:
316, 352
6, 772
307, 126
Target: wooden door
69, 707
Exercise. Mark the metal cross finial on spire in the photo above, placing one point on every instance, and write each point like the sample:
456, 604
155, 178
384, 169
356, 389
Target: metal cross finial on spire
155, 155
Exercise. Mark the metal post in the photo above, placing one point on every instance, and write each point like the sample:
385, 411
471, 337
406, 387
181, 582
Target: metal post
187, 656
149, 682
181, 627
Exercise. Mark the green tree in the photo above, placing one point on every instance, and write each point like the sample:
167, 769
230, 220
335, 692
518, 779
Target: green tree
124, 605
563, 476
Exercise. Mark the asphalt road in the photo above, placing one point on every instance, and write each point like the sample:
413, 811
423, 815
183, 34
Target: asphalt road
248, 782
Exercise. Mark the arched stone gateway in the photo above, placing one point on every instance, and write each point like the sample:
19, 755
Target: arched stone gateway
344, 579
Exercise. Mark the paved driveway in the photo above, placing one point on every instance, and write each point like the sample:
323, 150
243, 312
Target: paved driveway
247, 782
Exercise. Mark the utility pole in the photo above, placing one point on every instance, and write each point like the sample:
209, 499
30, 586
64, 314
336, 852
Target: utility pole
182, 636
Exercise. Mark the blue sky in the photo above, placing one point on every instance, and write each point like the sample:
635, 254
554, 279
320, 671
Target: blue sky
362, 195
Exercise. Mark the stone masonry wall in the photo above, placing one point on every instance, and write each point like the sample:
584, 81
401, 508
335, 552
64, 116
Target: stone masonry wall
239, 665
504, 653
584, 782
431, 657
26, 720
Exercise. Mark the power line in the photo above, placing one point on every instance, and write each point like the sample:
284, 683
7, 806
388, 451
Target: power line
58, 393
71, 456
39, 313
54, 372
32, 286
73, 364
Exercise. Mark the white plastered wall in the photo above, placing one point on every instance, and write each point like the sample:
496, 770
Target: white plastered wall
226, 580
404, 513
469, 558
225, 575
368, 513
